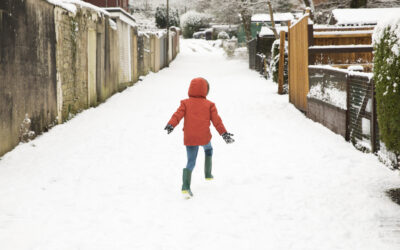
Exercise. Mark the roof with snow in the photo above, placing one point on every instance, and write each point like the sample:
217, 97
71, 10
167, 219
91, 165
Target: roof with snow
362, 16
266, 31
122, 15
278, 17
71, 6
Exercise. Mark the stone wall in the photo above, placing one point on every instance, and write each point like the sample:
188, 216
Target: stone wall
328, 115
71, 47
87, 60
27, 69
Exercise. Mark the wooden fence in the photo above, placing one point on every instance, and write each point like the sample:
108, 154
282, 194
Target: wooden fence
298, 63
341, 47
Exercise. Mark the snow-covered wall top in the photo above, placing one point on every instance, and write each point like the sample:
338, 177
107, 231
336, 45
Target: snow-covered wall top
278, 17
363, 16
71, 6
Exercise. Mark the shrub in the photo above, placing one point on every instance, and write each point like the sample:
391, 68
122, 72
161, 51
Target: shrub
161, 17
387, 82
274, 66
193, 21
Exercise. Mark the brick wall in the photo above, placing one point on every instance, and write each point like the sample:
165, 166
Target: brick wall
123, 4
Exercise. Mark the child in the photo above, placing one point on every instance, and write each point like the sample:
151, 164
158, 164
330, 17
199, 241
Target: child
198, 112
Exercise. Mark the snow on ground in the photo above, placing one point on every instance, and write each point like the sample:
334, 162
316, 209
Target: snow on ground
110, 178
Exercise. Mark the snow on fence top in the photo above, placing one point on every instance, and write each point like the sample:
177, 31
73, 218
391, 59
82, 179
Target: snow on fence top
347, 71
71, 6
298, 20
347, 32
363, 16
278, 17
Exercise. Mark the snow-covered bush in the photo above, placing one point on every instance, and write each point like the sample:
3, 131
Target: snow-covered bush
223, 35
161, 17
386, 41
193, 21
274, 66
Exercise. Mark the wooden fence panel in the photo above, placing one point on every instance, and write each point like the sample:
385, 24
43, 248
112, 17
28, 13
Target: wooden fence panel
353, 54
298, 64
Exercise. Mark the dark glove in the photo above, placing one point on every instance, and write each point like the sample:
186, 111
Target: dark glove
169, 128
227, 137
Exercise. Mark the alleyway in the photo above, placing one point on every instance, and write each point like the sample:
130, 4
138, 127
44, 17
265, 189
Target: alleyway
110, 178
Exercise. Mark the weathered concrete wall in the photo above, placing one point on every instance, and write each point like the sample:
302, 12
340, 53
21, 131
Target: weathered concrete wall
112, 63
135, 56
157, 54
88, 60
72, 47
55, 63
328, 115
124, 36
27, 68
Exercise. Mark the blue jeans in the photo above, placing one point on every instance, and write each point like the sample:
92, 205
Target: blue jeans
192, 154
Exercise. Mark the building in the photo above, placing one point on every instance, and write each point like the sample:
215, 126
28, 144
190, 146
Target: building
123, 4
359, 17
260, 20
279, 19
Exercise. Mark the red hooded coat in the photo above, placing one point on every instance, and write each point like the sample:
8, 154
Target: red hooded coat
198, 112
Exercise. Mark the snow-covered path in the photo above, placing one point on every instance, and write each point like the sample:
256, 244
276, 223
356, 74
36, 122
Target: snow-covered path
110, 178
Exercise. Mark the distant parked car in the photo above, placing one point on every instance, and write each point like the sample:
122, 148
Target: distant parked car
199, 35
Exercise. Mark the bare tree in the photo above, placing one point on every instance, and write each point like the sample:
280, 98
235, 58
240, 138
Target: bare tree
310, 4
244, 8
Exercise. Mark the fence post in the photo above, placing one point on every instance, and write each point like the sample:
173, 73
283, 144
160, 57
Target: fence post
373, 118
347, 137
288, 38
281, 73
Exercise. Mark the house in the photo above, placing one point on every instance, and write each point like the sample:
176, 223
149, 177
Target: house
123, 4
260, 20
361, 17
265, 19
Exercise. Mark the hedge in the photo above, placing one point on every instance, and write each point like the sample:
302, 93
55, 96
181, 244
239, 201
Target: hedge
386, 41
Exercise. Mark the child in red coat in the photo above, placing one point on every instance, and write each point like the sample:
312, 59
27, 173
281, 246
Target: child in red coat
198, 113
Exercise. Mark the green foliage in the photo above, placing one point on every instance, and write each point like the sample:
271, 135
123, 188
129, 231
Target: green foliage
358, 3
161, 17
387, 86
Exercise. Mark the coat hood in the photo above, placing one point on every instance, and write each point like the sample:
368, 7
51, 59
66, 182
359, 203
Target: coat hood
198, 88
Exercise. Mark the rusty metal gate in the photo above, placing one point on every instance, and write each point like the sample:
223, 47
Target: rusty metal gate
362, 122
252, 48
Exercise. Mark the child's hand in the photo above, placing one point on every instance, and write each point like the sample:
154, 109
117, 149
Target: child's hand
227, 137
169, 128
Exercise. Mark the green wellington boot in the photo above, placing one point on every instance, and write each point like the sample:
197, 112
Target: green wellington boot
208, 168
186, 178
